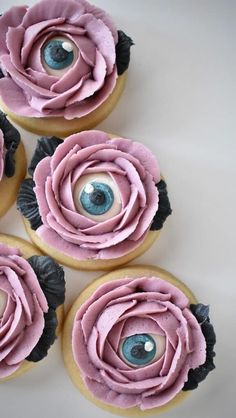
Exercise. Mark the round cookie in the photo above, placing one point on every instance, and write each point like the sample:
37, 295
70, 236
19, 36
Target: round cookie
123, 341
72, 67
12, 164
94, 201
41, 301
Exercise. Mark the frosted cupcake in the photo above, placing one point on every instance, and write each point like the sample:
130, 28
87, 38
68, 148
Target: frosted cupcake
63, 65
32, 291
12, 163
136, 341
93, 202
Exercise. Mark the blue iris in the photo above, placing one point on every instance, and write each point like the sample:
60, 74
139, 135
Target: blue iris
55, 56
97, 199
139, 349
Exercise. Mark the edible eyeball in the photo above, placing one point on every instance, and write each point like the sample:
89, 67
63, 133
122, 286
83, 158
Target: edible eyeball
140, 350
97, 197
58, 55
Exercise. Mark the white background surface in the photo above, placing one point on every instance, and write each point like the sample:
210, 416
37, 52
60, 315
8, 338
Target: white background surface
180, 101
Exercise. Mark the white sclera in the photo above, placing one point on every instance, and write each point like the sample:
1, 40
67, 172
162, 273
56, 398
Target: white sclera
160, 341
68, 46
3, 302
85, 182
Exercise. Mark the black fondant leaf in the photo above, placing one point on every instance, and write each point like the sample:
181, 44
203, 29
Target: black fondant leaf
45, 147
210, 362
200, 311
51, 279
195, 376
10, 133
164, 209
209, 334
123, 52
11, 141
9, 168
27, 203
47, 339
191, 383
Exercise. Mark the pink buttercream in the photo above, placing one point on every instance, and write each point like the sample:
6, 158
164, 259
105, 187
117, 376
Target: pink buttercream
2, 155
22, 322
134, 170
27, 89
125, 307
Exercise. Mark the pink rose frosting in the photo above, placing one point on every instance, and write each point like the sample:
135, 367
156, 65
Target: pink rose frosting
2, 155
28, 89
22, 317
132, 170
127, 307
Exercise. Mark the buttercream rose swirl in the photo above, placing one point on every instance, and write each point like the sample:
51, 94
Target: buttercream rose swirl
135, 341
22, 308
30, 292
57, 59
97, 197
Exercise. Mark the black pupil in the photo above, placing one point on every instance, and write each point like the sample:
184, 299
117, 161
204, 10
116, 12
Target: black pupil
97, 197
138, 351
58, 54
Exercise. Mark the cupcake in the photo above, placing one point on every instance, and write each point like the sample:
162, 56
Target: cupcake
93, 202
62, 66
32, 291
136, 341
12, 163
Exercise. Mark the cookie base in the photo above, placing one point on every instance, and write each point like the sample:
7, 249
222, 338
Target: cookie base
27, 251
72, 368
90, 264
9, 186
58, 126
